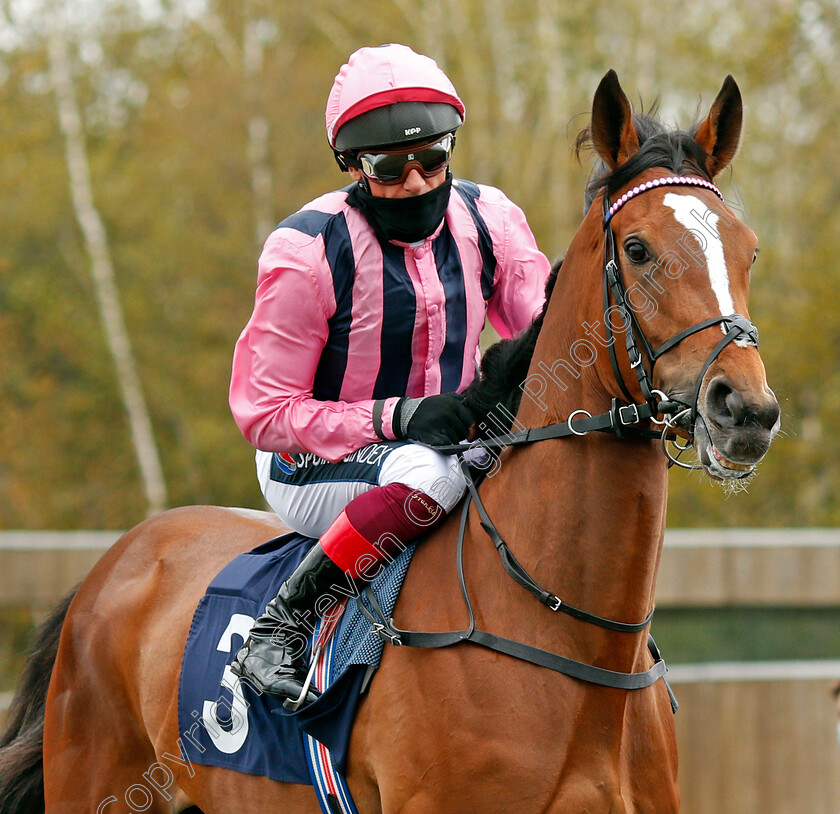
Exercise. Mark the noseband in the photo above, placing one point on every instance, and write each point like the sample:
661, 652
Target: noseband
735, 326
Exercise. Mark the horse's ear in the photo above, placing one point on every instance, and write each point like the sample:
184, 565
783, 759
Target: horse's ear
613, 134
720, 133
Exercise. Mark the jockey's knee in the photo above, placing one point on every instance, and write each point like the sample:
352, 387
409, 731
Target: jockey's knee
426, 471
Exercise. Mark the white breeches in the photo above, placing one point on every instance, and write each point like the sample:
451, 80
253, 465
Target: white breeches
309, 492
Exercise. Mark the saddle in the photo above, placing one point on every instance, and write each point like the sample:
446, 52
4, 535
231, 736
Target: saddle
226, 722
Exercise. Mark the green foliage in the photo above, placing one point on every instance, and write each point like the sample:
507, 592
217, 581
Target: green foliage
168, 103
17, 630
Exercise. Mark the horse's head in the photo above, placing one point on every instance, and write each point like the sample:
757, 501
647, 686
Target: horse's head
681, 261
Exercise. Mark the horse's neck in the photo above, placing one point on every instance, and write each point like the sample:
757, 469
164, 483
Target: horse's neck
586, 518
584, 515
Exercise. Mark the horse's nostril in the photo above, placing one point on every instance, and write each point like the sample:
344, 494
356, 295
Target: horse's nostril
725, 405
728, 408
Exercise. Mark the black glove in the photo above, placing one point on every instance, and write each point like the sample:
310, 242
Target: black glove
434, 420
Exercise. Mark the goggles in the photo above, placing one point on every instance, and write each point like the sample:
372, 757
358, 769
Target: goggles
392, 166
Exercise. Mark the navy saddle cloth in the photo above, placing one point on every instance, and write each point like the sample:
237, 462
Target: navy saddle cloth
224, 722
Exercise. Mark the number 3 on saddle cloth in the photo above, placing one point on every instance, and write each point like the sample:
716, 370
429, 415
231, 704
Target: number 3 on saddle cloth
224, 721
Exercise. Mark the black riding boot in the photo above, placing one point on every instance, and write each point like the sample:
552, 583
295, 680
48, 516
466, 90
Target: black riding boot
272, 659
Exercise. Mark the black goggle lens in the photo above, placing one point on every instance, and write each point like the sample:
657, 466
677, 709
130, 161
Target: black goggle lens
391, 167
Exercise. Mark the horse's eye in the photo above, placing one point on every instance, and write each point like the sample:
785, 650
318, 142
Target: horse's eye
636, 251
755, 257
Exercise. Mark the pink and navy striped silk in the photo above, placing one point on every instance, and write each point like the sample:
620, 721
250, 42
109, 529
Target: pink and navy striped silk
325, 341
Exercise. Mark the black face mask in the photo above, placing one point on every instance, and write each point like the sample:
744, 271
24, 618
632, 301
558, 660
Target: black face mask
405, 219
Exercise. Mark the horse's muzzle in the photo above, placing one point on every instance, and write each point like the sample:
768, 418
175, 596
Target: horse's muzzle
734, 430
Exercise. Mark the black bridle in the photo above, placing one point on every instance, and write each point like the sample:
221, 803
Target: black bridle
622, 420
735, 327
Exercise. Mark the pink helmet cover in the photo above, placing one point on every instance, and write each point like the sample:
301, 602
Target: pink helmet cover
375, 77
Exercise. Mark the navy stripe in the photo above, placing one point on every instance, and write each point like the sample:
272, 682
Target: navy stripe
308, 221
470, 194
451, 273
398, 310
339, 252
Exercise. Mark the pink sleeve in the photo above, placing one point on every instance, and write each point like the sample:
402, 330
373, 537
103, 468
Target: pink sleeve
522, 271
277, 355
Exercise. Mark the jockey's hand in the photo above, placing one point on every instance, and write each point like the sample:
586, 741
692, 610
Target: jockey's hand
443, 419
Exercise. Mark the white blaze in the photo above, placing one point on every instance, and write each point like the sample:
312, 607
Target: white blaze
684, 206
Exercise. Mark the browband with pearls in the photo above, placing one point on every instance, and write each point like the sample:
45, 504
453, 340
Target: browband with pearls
670, 180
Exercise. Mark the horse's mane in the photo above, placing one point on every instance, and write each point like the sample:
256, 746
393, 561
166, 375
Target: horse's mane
674, 150
494, 397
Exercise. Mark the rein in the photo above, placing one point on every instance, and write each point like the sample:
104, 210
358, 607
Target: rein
622, 420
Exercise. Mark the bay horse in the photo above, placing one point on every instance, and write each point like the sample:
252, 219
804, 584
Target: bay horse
465, 729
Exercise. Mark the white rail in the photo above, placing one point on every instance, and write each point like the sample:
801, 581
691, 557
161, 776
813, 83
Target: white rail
700, 567
753, 538
15, 540
729, 671
57, 540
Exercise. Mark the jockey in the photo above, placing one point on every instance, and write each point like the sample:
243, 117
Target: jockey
365, 331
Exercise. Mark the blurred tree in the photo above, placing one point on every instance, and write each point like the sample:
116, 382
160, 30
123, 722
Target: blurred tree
102, 270
204, 125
